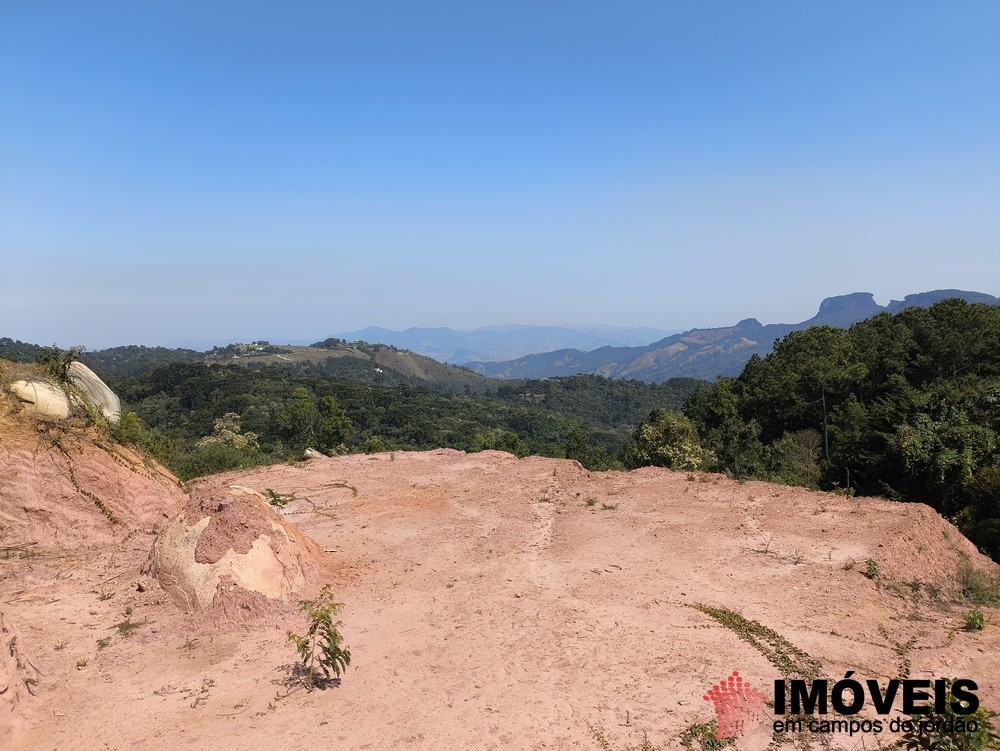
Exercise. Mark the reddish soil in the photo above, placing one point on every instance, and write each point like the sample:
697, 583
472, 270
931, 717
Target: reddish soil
490, 603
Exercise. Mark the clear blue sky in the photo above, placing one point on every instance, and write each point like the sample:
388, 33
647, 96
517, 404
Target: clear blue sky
215, 171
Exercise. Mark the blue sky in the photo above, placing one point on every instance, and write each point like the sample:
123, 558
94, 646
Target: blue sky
191, 171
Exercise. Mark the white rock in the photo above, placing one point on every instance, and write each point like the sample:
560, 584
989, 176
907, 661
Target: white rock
96, 391
42, 398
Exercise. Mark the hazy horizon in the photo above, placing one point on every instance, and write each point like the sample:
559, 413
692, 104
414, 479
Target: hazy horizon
212, 173
301, 338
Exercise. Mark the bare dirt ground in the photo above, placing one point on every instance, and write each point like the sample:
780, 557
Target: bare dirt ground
496, 603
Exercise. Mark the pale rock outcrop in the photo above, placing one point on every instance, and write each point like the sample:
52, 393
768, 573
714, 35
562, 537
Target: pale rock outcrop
222, 543
42, 398
95, 390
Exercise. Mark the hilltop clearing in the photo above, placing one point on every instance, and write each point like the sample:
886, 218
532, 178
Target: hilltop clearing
492, 602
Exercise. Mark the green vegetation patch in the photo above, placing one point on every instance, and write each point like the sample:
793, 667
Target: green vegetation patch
978, 586
703, 736
780, 652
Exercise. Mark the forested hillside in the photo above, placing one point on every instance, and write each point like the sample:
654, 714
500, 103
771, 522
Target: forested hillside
709, 352
201, 418
905, 406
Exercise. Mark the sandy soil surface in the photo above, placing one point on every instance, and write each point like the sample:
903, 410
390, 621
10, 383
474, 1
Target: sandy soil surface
497, 603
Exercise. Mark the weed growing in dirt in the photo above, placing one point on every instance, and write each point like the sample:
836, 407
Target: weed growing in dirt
201, 696
975, 621
605, 744
103, 643
105, 594
903, 648
56, 443
278, 499
976, 586
320, 648
189, 646
23, 551
127, 627
354, 490
780, 652
871, 569
767, 546
704, 735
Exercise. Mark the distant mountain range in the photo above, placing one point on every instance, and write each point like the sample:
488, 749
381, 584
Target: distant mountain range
492, 343
707, 353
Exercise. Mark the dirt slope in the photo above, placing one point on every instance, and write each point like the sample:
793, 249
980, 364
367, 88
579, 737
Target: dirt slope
496, 603
68, 496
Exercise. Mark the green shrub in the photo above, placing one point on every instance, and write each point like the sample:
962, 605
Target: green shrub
501, 440
977, 586
320, 649
975, 621
56, 362
375, 445
207, 459
667, 439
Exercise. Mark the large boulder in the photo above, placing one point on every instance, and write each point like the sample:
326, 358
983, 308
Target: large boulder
224, 543
95, 390
43, 398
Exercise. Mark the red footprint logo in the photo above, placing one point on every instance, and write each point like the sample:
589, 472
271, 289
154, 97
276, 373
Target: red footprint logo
739, 707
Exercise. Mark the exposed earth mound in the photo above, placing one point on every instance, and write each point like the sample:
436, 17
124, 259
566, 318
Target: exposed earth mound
229, 544
67, 492
66, 484
496, 603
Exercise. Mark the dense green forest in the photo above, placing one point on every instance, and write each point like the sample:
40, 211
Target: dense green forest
199, 414
201, 418
905, 406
